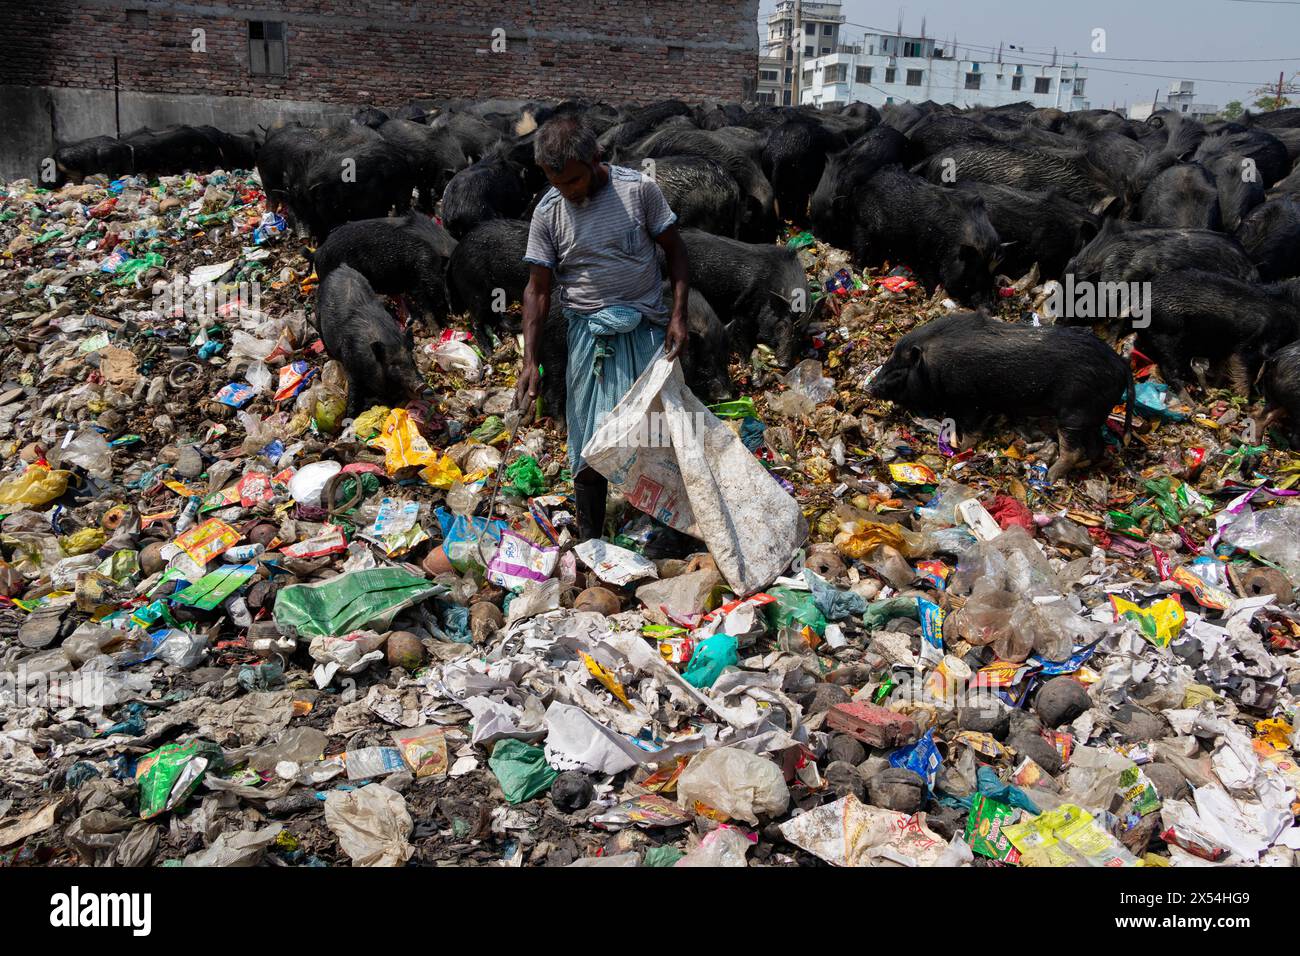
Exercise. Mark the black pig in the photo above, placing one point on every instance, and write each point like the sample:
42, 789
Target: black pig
971, 367
943, 234
404, 255
1196, 314
1282, 389
358, 331
489, 258
759, 291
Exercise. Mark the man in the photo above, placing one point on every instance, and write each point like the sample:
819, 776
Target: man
595, 232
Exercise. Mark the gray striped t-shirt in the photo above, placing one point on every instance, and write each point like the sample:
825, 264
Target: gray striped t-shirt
603, 251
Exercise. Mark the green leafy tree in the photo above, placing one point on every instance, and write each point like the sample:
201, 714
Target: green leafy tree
1233, 110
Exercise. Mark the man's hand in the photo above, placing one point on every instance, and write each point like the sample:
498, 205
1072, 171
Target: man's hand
675, 337
530, 382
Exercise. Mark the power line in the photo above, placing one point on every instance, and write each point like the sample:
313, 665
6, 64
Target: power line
1099, 69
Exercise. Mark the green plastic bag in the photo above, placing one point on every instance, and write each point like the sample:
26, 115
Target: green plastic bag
492, 427
712, 656
794, 609
351, 601
521, 769
739, 408
662, 856
525, 476
171, 773
879, 613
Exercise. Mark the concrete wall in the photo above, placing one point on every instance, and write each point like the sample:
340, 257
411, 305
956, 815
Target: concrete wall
41, 117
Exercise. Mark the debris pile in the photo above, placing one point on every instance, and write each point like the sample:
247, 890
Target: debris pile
239, 627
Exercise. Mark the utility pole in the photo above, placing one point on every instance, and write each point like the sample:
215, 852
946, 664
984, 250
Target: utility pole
796, 33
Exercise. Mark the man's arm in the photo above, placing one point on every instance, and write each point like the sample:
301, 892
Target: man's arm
670, 240
537, 304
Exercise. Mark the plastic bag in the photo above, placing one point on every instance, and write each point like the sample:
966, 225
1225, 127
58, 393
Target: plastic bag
834, 604
851, 833
525, 476
725, 846
794, 609
35, 486
704, 483
459, 357
171, 773
521, 769
1273, 534
350, 601
806, 379
734, 782
372, 825
712, 656
404, 447
85, 448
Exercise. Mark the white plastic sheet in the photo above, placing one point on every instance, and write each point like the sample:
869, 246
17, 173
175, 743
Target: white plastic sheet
673, 459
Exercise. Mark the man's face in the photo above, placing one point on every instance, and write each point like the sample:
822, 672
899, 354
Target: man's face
574, 180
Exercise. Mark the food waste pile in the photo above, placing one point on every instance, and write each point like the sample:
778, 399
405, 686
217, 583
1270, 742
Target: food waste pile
238, 628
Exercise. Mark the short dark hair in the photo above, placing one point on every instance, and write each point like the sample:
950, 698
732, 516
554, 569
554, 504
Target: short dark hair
564, 138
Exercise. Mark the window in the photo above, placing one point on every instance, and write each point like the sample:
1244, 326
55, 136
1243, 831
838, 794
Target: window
769, 76
807, 78
809, 51
837, 73
911, 48
1017, 82
862, 74
913, 77
789, 54
972, 81
828, 30
789, 74
1042, 84
266, 48
137, 17
810, 29
785, 98
768, 97
890, 73
1078, 86
676, 54
825, 50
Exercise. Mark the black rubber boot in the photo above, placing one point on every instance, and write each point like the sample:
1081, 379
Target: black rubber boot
591, 491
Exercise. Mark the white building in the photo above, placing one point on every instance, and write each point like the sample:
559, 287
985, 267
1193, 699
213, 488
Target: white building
898, 69
1181, 99
789, 44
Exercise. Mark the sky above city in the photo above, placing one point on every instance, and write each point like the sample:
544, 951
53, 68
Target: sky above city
1139, 34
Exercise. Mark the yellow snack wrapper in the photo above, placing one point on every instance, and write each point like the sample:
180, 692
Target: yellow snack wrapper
441, 473
1160, 623
403, 445
208, 540
912, 474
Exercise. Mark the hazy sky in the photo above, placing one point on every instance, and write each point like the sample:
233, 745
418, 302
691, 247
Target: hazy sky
1138, 34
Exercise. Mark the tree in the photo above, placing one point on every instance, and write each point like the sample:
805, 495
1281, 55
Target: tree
1276, 95
1270, 103
1233, 110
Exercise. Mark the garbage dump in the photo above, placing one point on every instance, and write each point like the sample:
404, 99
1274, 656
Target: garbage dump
249, 618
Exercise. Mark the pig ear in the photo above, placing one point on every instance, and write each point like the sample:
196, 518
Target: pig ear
914, 356
1107, 206
840, 206
1088, 231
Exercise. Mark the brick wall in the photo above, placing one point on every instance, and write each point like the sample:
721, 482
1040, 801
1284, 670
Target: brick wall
387, 52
